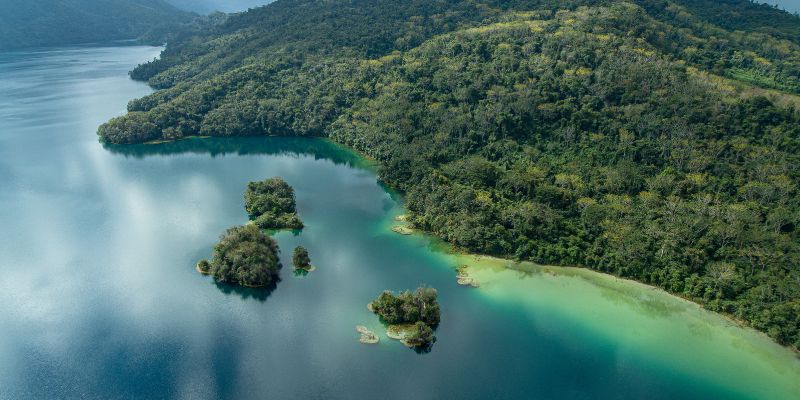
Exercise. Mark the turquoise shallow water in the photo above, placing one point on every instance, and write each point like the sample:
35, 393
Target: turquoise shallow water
100, 298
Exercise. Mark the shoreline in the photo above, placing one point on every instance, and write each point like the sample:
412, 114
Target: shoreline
585, 270
163, 141
452, 250
197, 268
578, 271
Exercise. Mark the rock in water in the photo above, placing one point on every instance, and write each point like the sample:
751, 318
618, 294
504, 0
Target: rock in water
367, 336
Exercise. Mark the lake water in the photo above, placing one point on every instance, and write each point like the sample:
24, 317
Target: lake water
100, 298
792, 6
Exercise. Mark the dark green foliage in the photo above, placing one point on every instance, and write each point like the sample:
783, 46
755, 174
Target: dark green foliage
58, 22
636, 138
245, 256
270, 204
133, 127
204, 267
300, 258
407, 307
422, 335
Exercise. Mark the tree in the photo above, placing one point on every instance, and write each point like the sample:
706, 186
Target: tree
300, 258
407, 307
722, 274
421, 336
271, 205
245, 256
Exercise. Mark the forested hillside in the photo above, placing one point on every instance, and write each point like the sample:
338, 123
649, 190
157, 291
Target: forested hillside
58, 22
651, 139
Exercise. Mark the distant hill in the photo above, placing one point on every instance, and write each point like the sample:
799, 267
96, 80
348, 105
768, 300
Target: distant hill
207, 6
34, 23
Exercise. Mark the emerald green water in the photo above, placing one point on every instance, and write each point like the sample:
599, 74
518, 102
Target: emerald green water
100, 298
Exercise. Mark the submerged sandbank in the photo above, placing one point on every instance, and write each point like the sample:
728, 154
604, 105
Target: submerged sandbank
676, 333
670, 332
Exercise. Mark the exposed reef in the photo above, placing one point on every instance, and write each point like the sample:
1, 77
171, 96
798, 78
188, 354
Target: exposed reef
403, 230
367, 336
463, 278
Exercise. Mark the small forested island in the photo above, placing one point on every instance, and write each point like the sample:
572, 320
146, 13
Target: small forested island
301, 259
245, 256
411, 316
270, 204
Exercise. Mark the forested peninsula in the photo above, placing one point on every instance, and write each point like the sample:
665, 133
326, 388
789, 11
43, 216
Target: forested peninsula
651, 139
34, 23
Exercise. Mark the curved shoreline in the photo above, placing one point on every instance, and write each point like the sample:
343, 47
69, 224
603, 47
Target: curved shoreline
451, 250
588, 274
459, 254
197, 267
207, 273
760, 353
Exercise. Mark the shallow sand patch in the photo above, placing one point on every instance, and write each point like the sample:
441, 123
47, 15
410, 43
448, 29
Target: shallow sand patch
401, 332
463, 278
367, 336
403, 230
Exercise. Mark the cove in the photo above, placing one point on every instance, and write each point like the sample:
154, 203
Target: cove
100, 298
